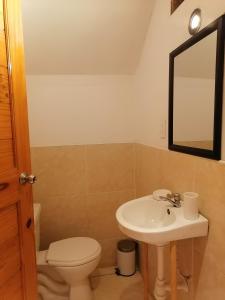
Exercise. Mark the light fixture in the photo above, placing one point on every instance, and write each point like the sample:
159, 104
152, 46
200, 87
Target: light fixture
195, 21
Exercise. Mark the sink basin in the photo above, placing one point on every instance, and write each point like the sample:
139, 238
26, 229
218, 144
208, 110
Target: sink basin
157, 222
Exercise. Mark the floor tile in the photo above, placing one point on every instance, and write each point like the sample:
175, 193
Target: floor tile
113, 287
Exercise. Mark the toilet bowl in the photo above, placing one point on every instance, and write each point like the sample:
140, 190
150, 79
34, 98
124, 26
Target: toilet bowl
64, 269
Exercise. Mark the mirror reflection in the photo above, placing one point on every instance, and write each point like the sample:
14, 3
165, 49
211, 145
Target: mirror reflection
194, 94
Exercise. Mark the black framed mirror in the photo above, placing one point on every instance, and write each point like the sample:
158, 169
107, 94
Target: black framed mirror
196, 93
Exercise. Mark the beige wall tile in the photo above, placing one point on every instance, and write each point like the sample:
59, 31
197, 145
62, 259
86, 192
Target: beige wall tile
101, 213
67, 175
109, 247
63, 217
209, 281
185, 256
210, 185
178, 171
213, 246
99, 178
148, 170
60, 171
110, 167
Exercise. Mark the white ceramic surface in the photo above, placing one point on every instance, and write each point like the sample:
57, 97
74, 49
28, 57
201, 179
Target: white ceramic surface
190, 205
65, 267
157, 222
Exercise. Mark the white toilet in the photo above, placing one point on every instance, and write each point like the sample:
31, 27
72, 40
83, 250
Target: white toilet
66, 263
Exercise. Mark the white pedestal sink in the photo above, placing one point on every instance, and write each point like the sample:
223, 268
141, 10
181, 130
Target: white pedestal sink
158, 223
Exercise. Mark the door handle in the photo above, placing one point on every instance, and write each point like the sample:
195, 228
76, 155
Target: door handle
26, 178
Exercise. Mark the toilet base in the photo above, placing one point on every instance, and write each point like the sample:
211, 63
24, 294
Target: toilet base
82, 290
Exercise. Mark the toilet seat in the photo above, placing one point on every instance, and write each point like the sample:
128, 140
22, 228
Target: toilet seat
73, 252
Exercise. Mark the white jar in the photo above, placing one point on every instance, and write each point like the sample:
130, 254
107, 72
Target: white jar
190, 205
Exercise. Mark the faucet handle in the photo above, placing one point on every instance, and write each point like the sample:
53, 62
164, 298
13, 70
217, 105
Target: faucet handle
177, 196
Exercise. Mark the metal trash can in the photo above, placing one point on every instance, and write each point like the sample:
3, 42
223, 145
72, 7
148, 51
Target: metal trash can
126, 260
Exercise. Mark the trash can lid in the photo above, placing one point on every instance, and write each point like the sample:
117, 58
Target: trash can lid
126, 245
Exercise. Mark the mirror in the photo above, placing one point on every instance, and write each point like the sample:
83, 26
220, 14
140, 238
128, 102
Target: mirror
196, 91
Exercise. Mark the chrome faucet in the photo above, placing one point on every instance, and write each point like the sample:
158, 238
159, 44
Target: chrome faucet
174, 199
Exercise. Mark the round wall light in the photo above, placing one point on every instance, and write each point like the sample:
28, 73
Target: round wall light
195, 21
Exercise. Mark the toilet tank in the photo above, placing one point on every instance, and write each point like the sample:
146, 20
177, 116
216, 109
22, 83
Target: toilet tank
37, 211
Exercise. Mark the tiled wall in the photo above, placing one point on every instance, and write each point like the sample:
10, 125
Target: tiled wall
179, 172
80, 188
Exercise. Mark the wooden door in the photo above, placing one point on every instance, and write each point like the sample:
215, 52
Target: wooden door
17, 251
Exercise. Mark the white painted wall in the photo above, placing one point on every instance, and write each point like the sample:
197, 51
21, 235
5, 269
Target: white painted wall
73, 110
165, 33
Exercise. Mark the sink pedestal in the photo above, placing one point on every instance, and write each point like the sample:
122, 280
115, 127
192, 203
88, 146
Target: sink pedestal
160, 292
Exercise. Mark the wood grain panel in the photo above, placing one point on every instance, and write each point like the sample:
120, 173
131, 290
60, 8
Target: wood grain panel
6, 154
10, 261
8, 224
3, 57
5, 121
9, 195
13, 289
14, 37
1, 15
4, 85
21, 195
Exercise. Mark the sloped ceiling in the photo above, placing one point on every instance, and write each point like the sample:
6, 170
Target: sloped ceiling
84, 36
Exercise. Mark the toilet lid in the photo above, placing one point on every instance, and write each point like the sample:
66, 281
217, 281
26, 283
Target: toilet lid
73, 252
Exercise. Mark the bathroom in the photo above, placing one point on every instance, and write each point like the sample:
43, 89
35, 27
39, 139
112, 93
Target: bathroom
98, 78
